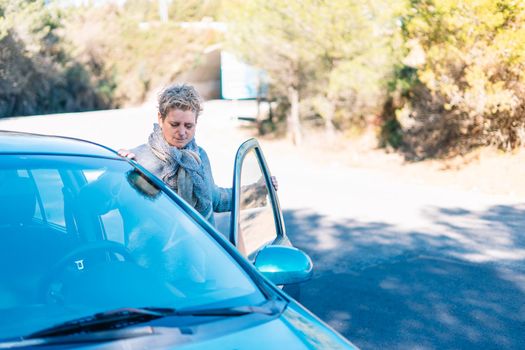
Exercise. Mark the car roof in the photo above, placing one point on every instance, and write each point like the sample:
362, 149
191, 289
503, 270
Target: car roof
12, 142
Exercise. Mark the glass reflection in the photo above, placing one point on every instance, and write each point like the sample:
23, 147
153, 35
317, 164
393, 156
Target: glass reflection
256, 220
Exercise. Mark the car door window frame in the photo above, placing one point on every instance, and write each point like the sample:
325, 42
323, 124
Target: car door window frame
243, 150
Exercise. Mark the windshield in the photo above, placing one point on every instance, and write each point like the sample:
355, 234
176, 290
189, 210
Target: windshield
82, 235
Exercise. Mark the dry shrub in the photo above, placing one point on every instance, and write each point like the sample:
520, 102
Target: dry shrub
470, 86
37, 84
37, 73
139, 55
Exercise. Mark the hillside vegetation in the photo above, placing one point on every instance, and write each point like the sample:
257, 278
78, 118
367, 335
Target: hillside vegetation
38, 73
66, 59
432, 78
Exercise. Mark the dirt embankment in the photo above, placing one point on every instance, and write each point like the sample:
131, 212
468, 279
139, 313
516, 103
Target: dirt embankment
486, 170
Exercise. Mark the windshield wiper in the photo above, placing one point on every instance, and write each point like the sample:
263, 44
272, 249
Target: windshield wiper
114, 319
271, 307
125, 317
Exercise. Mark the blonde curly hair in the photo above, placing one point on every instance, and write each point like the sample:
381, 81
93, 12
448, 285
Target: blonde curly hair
179, 96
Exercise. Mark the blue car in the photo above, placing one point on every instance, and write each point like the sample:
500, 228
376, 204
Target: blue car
97, 253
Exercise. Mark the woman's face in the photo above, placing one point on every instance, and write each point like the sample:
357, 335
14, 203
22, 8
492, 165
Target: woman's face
178, 128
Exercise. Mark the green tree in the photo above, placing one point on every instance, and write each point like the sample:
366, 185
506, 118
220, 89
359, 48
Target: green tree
357, 58
273, 35
335, 56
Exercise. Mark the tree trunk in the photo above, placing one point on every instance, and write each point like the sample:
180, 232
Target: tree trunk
329, 121
293, 123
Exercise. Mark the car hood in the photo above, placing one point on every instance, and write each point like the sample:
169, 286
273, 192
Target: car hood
295, 328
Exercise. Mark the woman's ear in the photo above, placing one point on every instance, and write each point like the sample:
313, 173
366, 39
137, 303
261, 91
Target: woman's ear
159, 119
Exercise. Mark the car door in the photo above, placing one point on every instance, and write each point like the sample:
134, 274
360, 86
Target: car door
256, 219
257, 227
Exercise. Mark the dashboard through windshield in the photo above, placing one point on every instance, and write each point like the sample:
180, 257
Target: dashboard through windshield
81, 235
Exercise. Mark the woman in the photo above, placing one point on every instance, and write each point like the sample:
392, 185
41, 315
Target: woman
173, 155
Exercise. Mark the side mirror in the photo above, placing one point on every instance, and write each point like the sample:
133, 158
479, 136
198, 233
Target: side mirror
284, 265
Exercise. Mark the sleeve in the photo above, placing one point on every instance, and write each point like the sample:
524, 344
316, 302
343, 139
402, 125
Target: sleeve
221, 197
147, 159
102, 194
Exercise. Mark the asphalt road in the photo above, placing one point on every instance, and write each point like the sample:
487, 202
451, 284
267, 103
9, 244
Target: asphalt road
398, 264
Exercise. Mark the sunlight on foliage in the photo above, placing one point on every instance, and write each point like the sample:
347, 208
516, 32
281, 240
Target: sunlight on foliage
432, 78
337, 54
473, 72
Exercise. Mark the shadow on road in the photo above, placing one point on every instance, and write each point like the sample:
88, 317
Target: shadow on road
460, 286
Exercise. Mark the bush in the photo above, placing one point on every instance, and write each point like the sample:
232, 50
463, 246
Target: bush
470, 89
139, 52
37, 75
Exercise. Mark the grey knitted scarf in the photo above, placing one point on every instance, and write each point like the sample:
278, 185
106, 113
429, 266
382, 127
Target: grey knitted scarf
183, 171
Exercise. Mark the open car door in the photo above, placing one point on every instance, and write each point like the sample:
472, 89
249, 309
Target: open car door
257, 227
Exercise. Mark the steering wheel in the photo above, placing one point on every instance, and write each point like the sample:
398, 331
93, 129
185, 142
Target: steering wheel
73, 260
